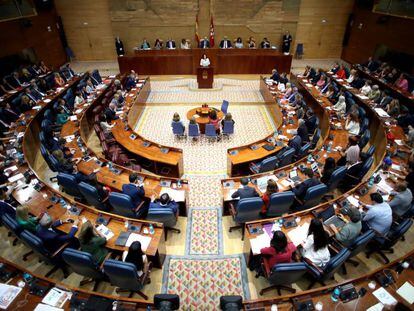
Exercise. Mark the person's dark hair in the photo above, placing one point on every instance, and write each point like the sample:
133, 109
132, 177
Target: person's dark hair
329, 163
86, 233
102, 118
376, 197
279, 241
308, 172
239, 39
133, 177
272, 186
213, 115
164, 199
244, 181
320, 237
135, 255
353, 140
92, 179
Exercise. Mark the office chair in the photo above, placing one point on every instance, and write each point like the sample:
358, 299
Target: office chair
122, 205
366, 136
178, 129
312, 197
224, 106
315, 139
286, 157
91, 195
193, 131
69, 185
211, 133
246, 210
164, 215
12, 226
228, 128
280, 203
337, 176
268, 164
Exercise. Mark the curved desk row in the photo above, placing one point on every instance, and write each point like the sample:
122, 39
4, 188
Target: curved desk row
239, 158
225, 61
41, 197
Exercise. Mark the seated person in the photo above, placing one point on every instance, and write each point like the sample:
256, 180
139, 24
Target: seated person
351, 76
375, 93
310, 120
245, 191
6, 191
51, 237
158, 44
238, 43
341, 73
303, 131
79, 100
170, 44
300, 189
379, 215
62, 117
340, 107
193, 121
26, 221
110, 113
295, 143
59, 82
251, 43
351, 155
401, 199
321, 82
358, 82
185, 45
204, 43
402, 83
351, 230
164, 202
280, 250
213, 119
315, 247
335, 68
204, 61
227, 118
225, 43
265, 44
26, 104
103, 191
317, 76
371, 64
130, 82
135, 189
136, 256
105, 126
90, 89
275, 75
352, 124
271, 188
393, 108
328, 168
145, 45
92, 242
366, 88
64, 165
177, 120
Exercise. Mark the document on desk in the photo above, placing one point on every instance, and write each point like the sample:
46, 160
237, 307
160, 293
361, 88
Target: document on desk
143, 239
381, 112
284, 183
16, 177
259, 242
262, 182
7, 294
43, 307
351, 199
56, 297
105, 231
406, 291
176, 195
384, 296
299, 234
377, 307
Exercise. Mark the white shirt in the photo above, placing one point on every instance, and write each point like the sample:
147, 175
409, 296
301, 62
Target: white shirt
350, 78
239, 45
204, 62
320, 257
78, 100
281, 87
365, 90
340, 108
352, 127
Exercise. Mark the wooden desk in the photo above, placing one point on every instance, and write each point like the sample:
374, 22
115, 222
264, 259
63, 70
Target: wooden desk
27, 301
228, 61
203, 118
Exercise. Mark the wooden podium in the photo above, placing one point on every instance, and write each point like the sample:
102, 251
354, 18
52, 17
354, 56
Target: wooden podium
205, 77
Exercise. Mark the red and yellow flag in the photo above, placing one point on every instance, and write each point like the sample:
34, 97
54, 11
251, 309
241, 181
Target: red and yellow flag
197, 37
211, 32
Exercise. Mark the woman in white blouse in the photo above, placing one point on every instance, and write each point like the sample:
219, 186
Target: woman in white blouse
185, 44
351, 76
340, 106
204, 61
315, 247
239, 43
105, 126
352, 124
366, 88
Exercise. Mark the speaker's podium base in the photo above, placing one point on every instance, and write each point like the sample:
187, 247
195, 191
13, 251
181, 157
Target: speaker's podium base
205, 77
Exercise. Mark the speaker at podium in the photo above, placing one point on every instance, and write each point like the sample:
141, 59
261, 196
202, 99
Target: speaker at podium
205, 77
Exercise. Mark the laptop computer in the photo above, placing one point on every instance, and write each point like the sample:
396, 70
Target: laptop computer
328, 217
293, 176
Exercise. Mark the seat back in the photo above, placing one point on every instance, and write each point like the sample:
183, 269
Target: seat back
287, 273
82, 263
122, 204
335, 263
69, 184
304, 150
364, 125
398, 232
163, 215
370, 151
224, 106
365, 168
228, 127
315, 138
280, 203
122, 274
338, 174
210, 130
314, 195
287, 157
268, 164
360, 243
91, 195
11, 224
193, 130
36, 244
178, 128
364, 139
248, 209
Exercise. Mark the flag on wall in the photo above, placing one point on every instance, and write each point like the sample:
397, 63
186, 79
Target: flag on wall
197, 37
211, 32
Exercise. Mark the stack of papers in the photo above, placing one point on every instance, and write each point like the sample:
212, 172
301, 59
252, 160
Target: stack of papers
56, 297
176, 195
299, 234
259, 242
355, 202
143, 239
381, 112
104, 230
16, 177
407, 292
384, 296
7, 294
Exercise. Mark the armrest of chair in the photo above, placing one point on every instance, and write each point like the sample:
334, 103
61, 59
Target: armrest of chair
106, 257
266, 267
336, 245
139, 206
232, 210
60, 249
333, 249
310, 263
106, 199
298, 200
147, 271
353, 177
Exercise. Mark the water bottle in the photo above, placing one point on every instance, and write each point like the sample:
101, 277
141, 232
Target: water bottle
335, 294
329, 148
371, 182
151, 229
110, 165
178, 183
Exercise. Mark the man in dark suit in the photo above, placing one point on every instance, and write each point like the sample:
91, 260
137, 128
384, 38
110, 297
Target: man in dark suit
358, 82
130, 82
134, 189
300, 190
165, 202
8, 115
275, 75
246, 191
204, 43
384, 99
371, 64
265, 44
303, 131
310, 120
295, 143
225, 43
52, 238
110, 112
170, 44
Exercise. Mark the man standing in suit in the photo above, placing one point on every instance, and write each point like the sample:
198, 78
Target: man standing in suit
204, 44
287, 40
246, 191
225, 43
300, 190
170, 44
134, 189
52, 238
303, 131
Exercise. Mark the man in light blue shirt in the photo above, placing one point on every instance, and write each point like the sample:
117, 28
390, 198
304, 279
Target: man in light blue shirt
379, 215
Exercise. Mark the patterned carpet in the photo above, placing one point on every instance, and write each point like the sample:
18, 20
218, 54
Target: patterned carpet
201, 281
185, 91
204, 234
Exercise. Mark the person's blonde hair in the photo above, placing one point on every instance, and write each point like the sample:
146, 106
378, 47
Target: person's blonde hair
22, 212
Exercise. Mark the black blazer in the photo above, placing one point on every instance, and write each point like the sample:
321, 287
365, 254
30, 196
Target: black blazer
303, 133
204, 44
245, 192
300, 190
110, 114
222, 43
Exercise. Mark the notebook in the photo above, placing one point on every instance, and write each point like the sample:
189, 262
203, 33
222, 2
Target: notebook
122, 238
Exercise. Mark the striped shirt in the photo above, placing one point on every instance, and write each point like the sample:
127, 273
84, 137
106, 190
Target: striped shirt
352, 154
